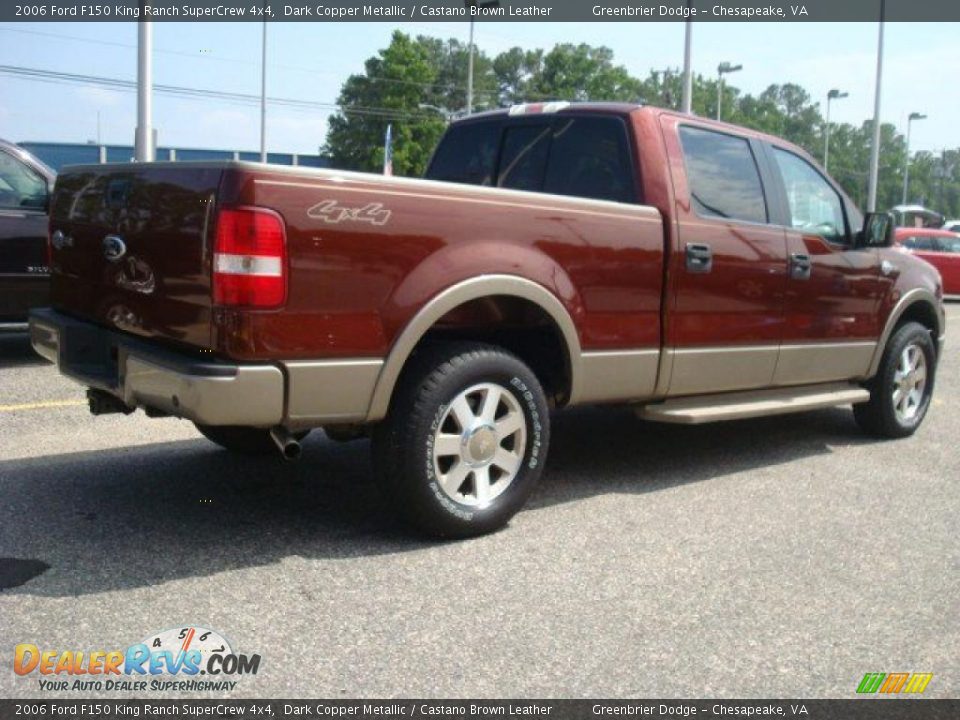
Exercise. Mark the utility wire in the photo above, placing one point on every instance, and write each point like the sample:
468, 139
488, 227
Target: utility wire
198, 93
449, 87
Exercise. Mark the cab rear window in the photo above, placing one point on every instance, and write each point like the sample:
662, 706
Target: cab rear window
581, 156
467, 154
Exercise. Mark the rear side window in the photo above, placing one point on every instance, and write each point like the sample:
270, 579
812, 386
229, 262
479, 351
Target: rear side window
523, 160
467, 154
722, 175
950, 245
590, 158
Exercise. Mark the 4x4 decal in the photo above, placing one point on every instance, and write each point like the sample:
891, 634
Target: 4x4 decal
329, 211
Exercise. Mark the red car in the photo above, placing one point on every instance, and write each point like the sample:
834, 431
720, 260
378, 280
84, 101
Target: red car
940, 248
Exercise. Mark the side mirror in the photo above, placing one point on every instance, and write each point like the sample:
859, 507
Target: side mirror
877, 230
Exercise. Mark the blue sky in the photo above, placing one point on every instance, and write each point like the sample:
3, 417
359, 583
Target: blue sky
311, 60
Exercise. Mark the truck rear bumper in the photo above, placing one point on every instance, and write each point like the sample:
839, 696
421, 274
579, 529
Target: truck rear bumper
143, 375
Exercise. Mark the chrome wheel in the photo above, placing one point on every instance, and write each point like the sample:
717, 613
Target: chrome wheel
909, 383
479, 444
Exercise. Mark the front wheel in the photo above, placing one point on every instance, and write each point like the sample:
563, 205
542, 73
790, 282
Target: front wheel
900, 393
465, 440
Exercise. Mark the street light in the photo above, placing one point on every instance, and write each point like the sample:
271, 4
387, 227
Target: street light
875, 141
470, 5
687, 103
906, 161
143, 139
263, 94
724, 68
832, 95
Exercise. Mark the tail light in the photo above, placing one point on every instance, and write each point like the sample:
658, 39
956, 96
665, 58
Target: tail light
250, 258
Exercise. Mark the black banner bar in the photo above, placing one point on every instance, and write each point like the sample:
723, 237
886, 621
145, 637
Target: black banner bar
872, 708
399, 11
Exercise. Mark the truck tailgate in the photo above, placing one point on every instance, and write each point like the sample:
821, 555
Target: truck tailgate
130, 248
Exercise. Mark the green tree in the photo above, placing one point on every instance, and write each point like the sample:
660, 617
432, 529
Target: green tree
402, 82
397, 81
516, 71
581, 73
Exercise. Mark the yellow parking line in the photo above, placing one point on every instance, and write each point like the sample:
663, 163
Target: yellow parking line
41, 405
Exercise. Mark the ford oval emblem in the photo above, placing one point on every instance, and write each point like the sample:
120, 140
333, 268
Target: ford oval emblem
114, 248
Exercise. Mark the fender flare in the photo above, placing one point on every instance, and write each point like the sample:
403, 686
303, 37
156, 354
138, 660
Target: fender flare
456, 295
917, 296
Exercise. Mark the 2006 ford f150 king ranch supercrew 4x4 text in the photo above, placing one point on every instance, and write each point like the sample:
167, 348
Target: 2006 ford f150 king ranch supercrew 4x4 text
555, 255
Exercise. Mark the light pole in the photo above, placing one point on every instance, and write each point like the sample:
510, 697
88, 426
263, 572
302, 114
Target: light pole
832, 95
687, 102
143, 136
875, 146
470, 74
906, 161
724, 68
263, 95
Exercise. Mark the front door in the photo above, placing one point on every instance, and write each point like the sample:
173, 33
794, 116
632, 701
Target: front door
831, 323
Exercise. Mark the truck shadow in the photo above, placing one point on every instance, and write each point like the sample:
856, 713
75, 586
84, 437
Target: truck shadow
141, 516
15, 351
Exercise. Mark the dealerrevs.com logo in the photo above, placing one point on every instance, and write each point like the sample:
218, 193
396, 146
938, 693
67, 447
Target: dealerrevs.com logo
184, 659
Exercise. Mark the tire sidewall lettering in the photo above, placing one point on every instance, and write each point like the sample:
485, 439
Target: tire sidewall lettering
433, 484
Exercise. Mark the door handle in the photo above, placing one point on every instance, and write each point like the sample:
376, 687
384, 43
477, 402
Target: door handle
699, 258
800, 266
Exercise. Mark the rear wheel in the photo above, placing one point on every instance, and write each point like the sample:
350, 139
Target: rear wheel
243, 440
900, 393
465, 440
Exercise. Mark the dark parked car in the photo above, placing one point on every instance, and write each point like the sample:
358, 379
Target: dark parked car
25, 185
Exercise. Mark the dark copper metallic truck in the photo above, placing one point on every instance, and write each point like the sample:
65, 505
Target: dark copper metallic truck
555, 255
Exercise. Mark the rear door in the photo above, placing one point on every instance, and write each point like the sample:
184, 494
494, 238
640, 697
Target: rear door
833, 287
725, 319
23, 238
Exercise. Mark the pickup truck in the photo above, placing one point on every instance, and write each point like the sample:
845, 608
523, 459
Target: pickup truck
25, 185
555, 255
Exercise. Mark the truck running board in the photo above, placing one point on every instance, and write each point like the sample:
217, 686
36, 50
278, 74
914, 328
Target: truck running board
755, 403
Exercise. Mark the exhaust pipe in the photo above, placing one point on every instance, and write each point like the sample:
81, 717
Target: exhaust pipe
103, 403
286, 443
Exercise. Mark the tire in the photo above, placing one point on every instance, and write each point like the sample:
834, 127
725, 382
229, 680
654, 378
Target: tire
465, 440
243, 440
901, 390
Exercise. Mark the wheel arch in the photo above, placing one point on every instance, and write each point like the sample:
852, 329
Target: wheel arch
478, 288
918, 305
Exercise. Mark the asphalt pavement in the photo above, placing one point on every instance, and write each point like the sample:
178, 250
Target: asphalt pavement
780, 557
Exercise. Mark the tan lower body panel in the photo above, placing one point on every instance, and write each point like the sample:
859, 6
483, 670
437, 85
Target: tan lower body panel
702, 370
722, 369
617, 376
804, 364
254, 396
755, 403
334, 391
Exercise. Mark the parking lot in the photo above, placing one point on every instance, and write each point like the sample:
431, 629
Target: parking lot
776, 557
